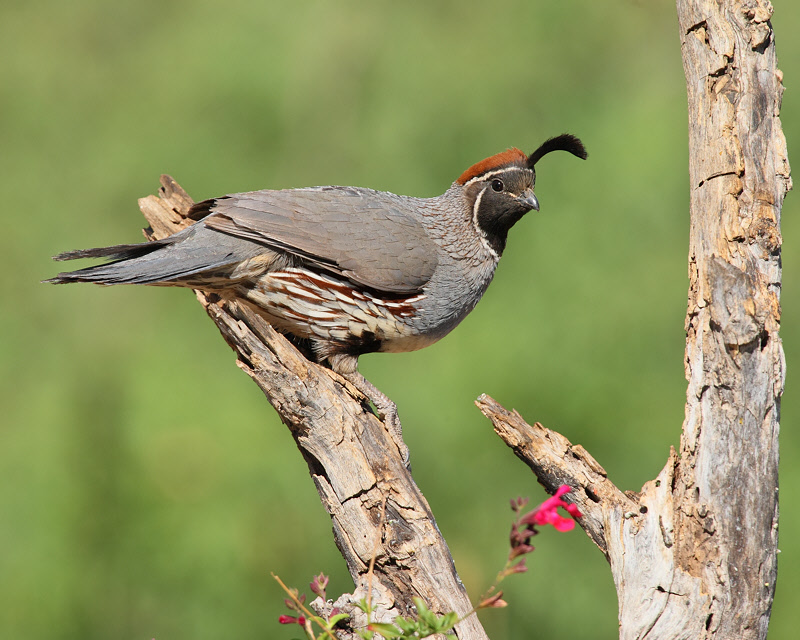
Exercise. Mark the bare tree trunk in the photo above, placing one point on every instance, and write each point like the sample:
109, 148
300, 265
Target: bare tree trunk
739, 174
694, 554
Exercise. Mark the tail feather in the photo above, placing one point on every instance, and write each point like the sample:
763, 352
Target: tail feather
168, 261
122, 272
116, 252
126, 268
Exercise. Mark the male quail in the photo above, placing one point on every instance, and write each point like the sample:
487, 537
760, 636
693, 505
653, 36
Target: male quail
351, 270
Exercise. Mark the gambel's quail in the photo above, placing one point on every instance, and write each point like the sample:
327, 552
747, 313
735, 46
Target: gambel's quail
349, 270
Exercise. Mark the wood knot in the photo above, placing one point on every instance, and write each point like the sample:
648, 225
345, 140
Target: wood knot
734, 309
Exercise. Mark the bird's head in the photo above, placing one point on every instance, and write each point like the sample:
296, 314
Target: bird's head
499, 189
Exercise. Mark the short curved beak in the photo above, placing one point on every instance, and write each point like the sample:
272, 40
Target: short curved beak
528, 199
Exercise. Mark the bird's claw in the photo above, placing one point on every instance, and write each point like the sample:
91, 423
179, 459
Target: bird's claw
392, 422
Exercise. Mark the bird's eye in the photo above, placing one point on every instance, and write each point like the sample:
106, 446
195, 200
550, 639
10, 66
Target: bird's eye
497, 185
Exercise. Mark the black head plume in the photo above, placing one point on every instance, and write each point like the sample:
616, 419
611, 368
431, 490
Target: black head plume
564, 142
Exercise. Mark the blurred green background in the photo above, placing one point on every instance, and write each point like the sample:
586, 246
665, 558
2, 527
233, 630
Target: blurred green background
147, 489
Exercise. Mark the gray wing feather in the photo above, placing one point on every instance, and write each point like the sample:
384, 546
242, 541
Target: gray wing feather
360, 233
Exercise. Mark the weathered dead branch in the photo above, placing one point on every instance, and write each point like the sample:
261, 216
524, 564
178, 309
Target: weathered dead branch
351, 458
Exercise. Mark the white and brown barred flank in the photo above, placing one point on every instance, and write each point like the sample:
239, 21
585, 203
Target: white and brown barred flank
333, 313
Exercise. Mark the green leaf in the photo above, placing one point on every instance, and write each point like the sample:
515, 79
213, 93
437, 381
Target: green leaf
336, 619
430, 619
362, 604
425, 614
406, 625
386, 630
421, 606
447, 621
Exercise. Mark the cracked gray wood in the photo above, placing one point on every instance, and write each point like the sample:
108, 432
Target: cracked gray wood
351, 458
693, 554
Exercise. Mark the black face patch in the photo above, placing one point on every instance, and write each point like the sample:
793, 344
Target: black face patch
496, 205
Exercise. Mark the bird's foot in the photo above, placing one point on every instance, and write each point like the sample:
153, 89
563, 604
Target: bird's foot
387, 411
391, 421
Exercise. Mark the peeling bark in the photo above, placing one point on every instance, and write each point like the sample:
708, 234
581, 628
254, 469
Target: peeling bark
693, 554
726, 487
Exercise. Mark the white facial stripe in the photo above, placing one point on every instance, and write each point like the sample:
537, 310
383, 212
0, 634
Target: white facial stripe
478, 230
475, 208
485, 176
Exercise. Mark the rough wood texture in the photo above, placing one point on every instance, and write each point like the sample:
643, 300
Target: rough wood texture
694, 553
556, 461
726, 486
354, 463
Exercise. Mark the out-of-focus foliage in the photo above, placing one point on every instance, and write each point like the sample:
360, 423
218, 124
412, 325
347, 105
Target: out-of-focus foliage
147, 489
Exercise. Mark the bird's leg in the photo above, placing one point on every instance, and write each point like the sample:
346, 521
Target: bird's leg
387, 410
347, 367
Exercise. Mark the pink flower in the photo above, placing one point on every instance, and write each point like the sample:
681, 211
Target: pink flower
519, 567
547, 512
318, 585
493, 602
519, 550
292, 620
290, 604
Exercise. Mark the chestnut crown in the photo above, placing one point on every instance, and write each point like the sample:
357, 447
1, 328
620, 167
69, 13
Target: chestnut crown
499, 189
